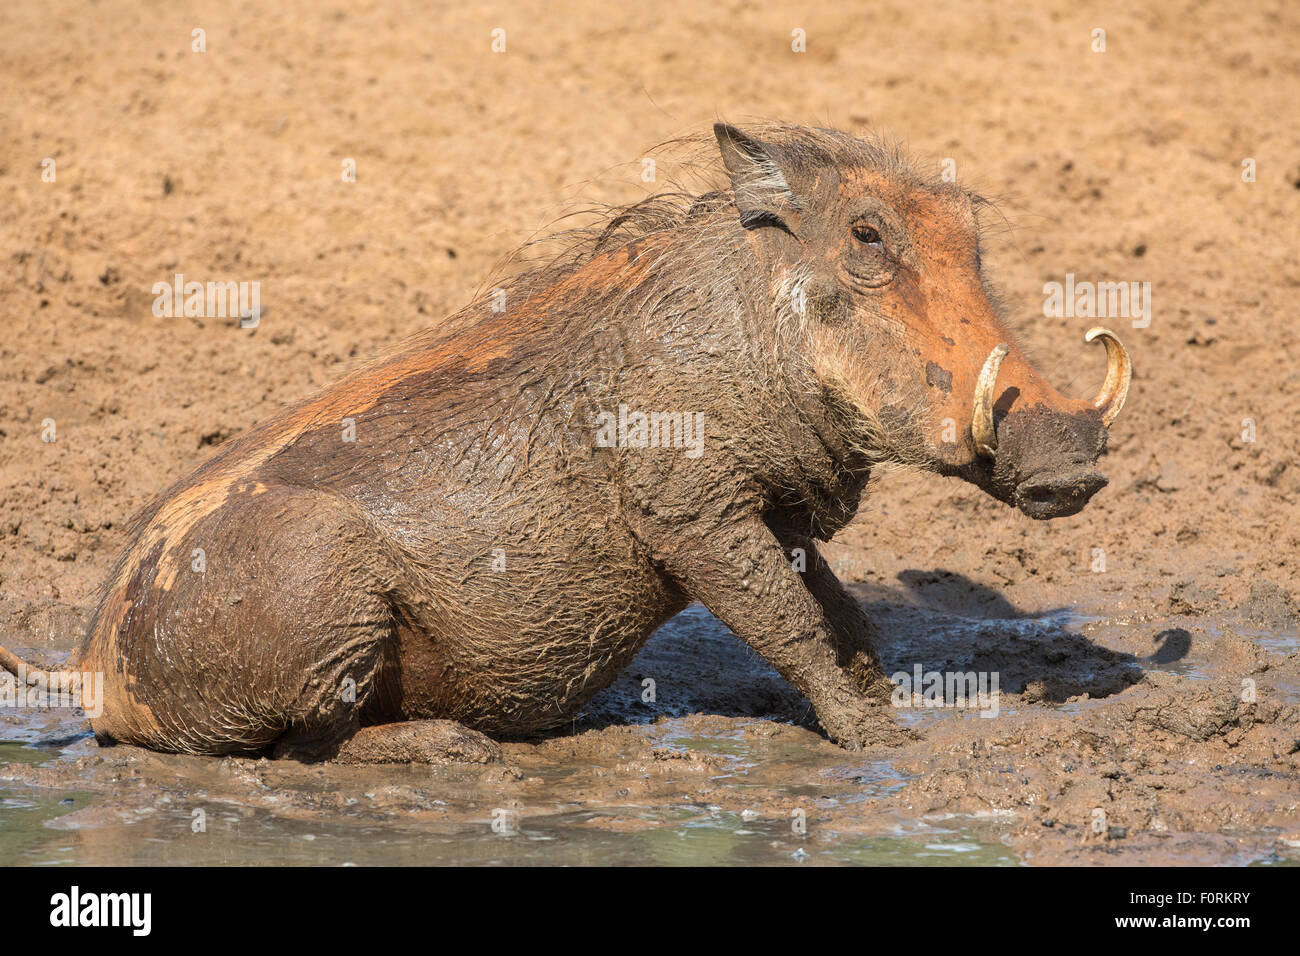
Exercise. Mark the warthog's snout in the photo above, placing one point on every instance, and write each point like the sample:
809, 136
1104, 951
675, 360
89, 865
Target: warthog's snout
1039, 456
1058, 494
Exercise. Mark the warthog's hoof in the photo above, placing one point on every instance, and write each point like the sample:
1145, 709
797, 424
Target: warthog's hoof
869, 727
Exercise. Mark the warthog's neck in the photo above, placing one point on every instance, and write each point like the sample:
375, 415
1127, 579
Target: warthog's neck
691, 332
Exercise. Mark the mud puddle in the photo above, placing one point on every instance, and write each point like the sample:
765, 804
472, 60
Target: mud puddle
700, 802
1112, 739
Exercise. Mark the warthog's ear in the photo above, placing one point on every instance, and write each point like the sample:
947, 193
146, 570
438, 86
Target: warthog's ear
763, 196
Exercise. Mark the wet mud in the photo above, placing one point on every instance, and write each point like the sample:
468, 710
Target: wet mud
1113, 740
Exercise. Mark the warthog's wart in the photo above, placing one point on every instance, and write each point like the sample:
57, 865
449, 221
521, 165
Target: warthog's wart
823, 310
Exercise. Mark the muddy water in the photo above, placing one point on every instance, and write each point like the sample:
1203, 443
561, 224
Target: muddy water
402, 821
1114, 740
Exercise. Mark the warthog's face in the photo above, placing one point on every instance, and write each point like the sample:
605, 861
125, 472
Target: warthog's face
883, 272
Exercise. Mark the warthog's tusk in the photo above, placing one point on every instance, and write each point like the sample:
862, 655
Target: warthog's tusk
981, 426
1119, 372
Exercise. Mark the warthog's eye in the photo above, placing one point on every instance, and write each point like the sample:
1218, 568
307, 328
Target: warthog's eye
867, 236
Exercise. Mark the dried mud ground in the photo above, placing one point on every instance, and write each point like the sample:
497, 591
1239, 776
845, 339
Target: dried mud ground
1127, 730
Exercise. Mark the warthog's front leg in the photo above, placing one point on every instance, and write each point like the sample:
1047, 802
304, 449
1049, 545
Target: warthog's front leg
741, 573
855, 633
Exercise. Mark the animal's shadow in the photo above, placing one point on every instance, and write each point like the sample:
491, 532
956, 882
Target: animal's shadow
939, 620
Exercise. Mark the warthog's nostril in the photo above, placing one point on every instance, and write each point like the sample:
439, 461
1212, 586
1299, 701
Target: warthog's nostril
1056, 495
1039, 493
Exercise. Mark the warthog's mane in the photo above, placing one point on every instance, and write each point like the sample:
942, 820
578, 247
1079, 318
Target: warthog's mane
697, 192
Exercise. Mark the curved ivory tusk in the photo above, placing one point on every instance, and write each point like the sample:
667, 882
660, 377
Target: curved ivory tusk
981, 425
1119, 372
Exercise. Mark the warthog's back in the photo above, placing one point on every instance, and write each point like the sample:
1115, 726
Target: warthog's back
434, 484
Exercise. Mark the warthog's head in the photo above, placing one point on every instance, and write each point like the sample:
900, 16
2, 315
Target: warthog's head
882, 272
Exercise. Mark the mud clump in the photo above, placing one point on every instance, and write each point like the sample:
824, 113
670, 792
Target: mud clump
1271, 605
1191, 599
1214, 711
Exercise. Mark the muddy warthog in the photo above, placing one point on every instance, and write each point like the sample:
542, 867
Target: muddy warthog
474, 533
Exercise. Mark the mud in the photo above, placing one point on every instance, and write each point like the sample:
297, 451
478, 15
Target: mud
1122, 636
1116, 740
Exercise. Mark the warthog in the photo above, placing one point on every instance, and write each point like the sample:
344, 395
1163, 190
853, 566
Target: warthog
474, 533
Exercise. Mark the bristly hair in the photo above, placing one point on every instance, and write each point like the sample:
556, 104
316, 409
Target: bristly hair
698, 187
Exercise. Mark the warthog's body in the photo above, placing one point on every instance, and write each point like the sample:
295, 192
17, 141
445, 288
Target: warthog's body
478, 555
